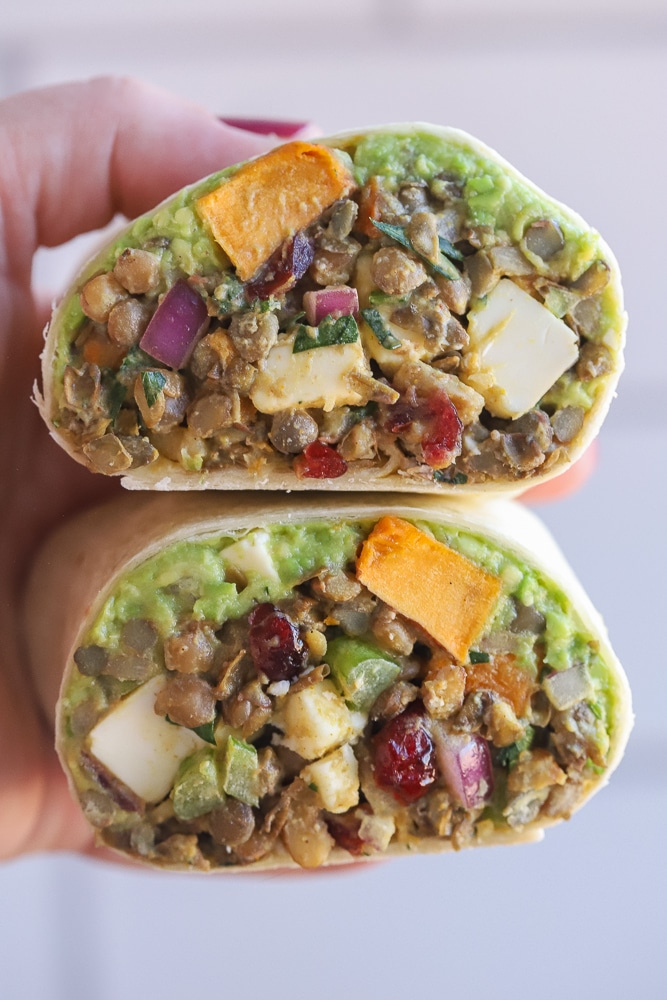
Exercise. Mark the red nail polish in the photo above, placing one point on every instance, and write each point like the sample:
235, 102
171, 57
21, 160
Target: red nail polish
266, 126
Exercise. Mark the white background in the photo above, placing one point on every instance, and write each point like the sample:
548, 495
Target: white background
574, 96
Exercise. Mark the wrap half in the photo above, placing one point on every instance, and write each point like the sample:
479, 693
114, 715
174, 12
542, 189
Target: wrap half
242, 684
396, 309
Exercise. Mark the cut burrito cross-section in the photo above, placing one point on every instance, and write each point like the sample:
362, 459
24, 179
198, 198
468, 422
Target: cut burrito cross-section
396, 308
242, 684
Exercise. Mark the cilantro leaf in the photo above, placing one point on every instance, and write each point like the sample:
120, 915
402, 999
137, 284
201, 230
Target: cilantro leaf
449, 249
153, 384
508, 756
330, 332
377, 325
457, 479
443, 267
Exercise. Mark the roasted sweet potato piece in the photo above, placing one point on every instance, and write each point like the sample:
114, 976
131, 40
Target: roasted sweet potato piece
503, 675
272, 198
430, 583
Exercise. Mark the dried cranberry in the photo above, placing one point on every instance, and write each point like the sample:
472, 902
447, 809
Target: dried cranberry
405, 756
282, 271
276, 647
437, 426
442, 441
345, 831
319, 461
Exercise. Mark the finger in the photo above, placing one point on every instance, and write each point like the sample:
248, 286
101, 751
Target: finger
271, 126
563, 486
100, 147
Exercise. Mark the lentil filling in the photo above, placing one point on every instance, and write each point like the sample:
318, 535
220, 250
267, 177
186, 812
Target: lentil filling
285, 693
437, 318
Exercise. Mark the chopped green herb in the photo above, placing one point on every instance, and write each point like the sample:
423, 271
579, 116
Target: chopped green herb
443, 267
206, 731
395, 232
384, 335
359, 413
313, 787
382, 299
153, 383
595, 709
477, 656
229, 296
508, 756
457, 479
449, 249
115, 393
134, 361
330, 332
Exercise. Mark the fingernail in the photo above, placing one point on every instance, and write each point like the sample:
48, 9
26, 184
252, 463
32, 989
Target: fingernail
267, 126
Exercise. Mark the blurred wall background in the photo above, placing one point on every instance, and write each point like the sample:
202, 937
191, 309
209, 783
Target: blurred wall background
573, 94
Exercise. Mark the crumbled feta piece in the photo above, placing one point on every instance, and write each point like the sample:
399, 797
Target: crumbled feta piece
335, 778
250, 556
315, 720
519, 347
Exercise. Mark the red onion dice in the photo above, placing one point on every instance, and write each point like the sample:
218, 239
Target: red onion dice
335, 302
465, 763
176, 326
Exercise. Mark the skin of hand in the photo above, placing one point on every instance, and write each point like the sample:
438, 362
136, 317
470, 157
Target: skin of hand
71, 157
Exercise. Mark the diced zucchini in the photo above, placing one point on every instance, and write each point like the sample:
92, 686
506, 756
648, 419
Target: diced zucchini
197, 788
240, 771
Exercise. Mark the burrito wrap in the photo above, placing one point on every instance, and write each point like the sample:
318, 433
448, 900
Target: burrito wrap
486, 370
76, 574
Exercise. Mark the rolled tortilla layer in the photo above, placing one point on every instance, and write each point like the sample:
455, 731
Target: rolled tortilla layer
396, 309
241, 684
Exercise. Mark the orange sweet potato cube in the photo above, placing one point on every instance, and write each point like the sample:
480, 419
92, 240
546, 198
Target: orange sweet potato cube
270, 199
506, 677
426, 581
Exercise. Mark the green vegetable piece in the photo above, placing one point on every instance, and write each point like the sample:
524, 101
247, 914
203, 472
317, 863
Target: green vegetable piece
443, 477
443, 267
383, 334
197, 788
508, 756
449, 249
377, 298
477, 656
153, 383
115, 394
240, 771
330, 331
206, 731
361, 671
229, 296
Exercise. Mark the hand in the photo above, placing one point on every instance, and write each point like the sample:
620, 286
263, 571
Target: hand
71, 157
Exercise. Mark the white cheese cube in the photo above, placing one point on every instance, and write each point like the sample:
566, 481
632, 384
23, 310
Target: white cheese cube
140, 747
318, 377
315, 720
336, 779
250, 556
522, 349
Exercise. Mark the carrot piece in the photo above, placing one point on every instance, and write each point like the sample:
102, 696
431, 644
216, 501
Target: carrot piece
270, 199
441, 590
99, 350
506, 677
369, 208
